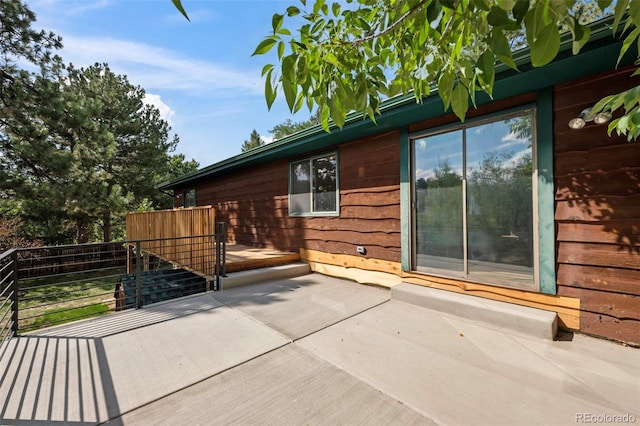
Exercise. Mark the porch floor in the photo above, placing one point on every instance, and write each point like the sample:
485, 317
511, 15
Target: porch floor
241, 257
308, 350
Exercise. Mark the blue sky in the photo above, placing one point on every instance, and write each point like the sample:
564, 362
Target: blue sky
200, 74
494, 137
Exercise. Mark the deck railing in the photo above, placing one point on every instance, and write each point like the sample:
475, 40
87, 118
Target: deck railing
45, 286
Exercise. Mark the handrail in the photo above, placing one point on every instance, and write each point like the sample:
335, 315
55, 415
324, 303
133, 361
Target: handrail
55, 282
7, 253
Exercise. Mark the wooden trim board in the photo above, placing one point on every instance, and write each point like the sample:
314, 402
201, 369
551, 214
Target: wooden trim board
388, 274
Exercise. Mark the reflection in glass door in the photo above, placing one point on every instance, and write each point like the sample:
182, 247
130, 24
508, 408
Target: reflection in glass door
438, 197
473, 202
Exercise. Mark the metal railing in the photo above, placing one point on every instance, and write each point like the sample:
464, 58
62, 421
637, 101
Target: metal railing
45, 286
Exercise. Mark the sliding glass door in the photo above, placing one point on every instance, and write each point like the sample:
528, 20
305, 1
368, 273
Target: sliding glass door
473, 201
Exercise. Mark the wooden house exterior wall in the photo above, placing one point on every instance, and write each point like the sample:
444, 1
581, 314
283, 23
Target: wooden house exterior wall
254, 203
597, 211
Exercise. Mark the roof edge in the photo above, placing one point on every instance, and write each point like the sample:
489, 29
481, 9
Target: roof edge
599, 30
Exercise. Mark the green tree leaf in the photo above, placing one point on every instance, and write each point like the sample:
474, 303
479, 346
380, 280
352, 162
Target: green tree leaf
520, 10
337, 111
506, 4
628, 42
486, 64
354, 56
264, 46
276, 22
270, 91
445, 88
481, 4
460, 101
581, 36
618, 12
292, 11
178, 5
501, 48
546, 46
497, 17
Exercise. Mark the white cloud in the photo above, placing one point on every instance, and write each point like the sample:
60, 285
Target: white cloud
166, 113
518, 156
72, 7
511, 139
267, 139
154, 67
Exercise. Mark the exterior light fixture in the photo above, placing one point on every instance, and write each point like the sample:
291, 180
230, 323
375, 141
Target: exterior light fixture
581, 120
602, 117
585, 115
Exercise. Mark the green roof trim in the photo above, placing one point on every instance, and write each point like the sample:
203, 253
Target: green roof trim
599, 55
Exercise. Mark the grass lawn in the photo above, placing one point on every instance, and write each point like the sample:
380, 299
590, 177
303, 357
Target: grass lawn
66, 297
60, 316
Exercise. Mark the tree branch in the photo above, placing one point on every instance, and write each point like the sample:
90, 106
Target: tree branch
391, 27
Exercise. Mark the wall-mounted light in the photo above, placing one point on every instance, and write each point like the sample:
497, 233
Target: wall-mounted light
602, 117
585, 116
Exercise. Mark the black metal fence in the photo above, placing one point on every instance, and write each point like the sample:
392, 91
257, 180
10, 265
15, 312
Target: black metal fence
45, 286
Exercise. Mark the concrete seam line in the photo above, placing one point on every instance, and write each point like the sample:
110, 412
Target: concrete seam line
341, 320
195, 383
255, 320
290, 341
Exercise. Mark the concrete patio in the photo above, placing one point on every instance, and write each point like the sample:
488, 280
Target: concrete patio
309, 350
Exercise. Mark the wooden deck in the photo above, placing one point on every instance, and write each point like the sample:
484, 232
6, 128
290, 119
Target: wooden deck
242, 258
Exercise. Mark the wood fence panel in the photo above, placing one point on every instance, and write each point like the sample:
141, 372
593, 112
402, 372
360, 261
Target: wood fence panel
180, 236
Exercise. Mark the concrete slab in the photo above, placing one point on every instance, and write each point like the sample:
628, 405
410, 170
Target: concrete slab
299, 306
131, 319
288, 386
87, 377
522, 319
253, 276
365, 360
458, 372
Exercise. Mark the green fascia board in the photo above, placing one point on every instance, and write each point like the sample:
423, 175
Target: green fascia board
599, 55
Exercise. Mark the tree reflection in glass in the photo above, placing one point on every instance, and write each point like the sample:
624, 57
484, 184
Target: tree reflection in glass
474, 186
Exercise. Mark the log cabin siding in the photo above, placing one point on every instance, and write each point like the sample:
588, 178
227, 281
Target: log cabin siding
255, 203
597, 212
369, 182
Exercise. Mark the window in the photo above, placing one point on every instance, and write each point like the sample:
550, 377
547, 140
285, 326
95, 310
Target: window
313, 186
189, 198
473, 192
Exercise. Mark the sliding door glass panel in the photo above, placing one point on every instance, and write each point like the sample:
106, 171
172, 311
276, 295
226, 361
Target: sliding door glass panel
438, 202
300, 188
499, 201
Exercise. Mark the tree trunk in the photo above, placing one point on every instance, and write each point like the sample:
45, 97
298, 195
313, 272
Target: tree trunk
81, 231
106, 227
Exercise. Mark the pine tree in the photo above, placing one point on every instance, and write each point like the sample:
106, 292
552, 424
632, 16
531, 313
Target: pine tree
254, 141
88, 156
